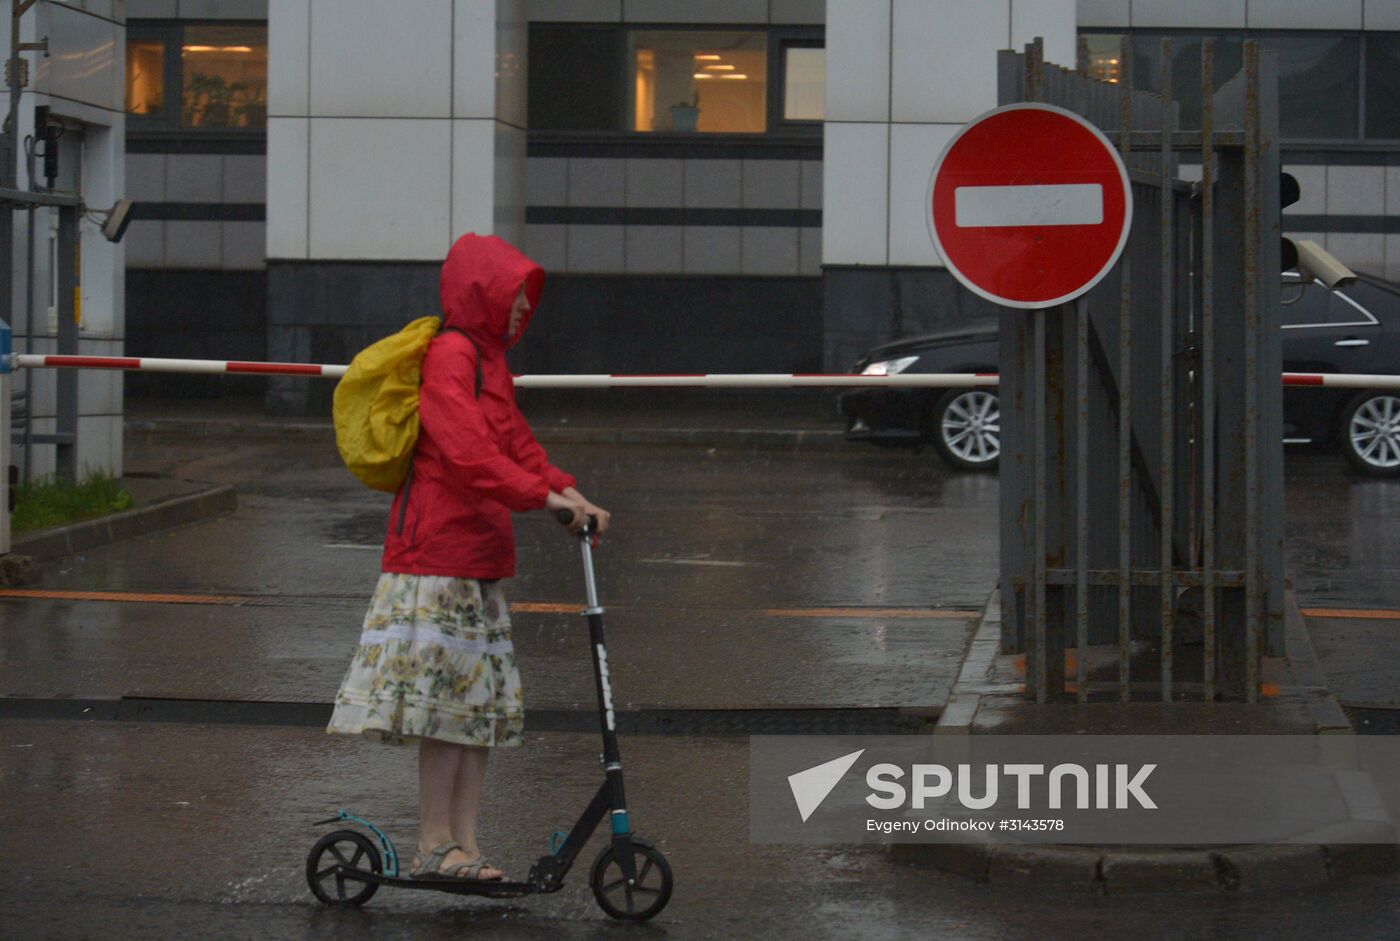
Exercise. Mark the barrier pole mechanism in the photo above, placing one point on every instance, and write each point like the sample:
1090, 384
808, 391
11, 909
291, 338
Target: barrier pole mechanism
6, 344
945, 380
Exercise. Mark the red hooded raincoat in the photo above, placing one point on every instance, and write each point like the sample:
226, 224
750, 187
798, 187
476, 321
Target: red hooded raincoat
476, 459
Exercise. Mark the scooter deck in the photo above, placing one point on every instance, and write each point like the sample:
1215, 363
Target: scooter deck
498, 890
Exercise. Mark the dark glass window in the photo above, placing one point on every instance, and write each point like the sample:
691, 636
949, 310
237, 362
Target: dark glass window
1146, 50
1383, 86
1319, 85
575, 79
1303, 303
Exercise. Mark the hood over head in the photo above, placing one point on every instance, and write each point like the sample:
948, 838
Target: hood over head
479, 281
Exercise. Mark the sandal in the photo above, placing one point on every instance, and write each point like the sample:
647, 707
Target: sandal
430, 868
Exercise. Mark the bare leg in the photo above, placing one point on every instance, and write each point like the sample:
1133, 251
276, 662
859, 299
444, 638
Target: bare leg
438, 763
466, 800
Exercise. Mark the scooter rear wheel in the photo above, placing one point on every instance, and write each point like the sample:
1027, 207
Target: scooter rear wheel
639, 901
342, 848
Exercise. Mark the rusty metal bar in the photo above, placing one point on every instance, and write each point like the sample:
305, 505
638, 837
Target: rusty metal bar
1165, 414
1146, 578
1125, 409
1207, 366
1252, 198
1081, 496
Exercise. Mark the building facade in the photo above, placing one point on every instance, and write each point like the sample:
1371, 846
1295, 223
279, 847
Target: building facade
79, 80
727, 186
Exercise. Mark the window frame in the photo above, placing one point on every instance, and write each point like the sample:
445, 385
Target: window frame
167, 126
1370, 320
777, 130
1361, 142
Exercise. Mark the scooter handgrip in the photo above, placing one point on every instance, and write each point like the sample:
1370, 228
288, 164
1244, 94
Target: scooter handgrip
564, 516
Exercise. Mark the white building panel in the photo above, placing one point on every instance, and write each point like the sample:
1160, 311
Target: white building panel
858, 61
689, 11
855, 195
511, 58
288, 57
1053, 20
1304, 14
914, 148
287, 181
1189, 14
1355, 191
372, 59
474, 59
1381, 14
373, 198
944, 59
473, 178
1105, 13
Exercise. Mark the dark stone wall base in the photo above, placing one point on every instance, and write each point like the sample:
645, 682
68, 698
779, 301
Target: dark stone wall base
325, 312
195, 315
867, 306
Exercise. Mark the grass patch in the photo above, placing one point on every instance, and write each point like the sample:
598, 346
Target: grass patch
46, 502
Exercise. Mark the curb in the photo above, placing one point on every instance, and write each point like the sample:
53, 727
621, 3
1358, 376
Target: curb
61, 541
547, 435
1366, 844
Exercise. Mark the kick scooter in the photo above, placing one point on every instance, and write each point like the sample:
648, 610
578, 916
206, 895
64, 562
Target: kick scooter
631, 879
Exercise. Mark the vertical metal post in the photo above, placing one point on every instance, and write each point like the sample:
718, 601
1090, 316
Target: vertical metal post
1081, 497
6, 361
1037, 673
66, 424
1168, 378
1207, 366
1251, 356
1125, 412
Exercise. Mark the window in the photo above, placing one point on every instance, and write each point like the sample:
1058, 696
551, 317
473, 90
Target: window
575, 78
224, 76
1103, 56
145, 76
1318, 85
804, 83
192, 76
1383, 86
690, 81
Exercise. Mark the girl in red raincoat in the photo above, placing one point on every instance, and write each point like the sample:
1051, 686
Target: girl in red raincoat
435, 663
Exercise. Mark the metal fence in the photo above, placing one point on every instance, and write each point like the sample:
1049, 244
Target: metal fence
1142, 457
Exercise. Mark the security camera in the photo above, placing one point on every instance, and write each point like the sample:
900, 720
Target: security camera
1315, 264
118, 218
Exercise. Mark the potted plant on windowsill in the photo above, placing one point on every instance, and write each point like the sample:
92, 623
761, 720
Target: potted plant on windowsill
685, 115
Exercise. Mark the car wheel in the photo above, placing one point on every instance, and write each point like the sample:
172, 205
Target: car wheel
966, 429
1371, 433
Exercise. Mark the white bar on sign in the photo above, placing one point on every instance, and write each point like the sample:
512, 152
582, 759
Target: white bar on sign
1045, 204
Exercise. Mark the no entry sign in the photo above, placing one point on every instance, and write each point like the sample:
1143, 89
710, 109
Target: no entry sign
1030, 205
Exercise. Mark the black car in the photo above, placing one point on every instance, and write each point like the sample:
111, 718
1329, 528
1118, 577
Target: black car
1350, 330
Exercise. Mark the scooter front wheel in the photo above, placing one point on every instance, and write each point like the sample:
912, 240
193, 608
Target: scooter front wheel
343, 848
643, 899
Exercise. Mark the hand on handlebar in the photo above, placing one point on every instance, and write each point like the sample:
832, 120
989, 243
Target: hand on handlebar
561, 505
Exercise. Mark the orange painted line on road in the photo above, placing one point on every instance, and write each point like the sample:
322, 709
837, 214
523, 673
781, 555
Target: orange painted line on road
123, 596
546, 607
1365, 614
524, 607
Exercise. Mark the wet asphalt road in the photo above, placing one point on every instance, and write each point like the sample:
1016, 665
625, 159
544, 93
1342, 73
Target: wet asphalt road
174, 830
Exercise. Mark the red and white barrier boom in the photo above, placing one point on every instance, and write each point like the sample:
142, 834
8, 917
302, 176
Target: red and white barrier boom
949, 380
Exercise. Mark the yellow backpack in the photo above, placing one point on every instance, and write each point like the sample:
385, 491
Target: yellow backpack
376, 405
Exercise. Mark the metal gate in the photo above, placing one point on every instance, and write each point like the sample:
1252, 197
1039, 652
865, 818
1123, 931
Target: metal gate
1142, 460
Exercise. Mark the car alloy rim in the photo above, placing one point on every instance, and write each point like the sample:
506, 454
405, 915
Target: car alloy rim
1375, 431
972, 427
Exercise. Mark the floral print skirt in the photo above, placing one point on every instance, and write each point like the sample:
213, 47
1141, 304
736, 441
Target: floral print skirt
435, 660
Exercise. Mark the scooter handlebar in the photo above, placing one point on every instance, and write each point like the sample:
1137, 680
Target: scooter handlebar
565, 517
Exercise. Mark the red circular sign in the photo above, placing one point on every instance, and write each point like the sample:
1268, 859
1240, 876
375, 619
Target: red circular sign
1030, 205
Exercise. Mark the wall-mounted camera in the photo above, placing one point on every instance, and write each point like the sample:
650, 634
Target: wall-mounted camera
1314, 263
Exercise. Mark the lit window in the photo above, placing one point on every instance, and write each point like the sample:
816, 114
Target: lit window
804, 84
1104, 56
225, 77
145, 76
688, 81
